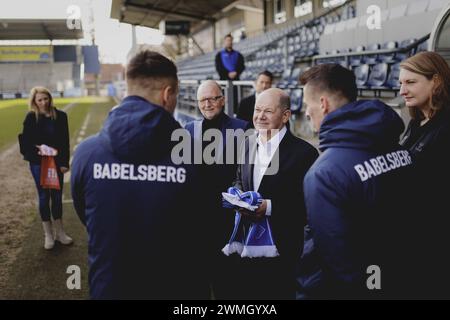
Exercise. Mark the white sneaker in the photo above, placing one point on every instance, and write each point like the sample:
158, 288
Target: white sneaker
49, 241
60, 235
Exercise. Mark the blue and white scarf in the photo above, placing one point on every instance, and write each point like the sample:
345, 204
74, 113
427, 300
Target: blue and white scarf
258, 240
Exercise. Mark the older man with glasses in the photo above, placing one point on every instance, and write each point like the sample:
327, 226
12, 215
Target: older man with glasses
216, 178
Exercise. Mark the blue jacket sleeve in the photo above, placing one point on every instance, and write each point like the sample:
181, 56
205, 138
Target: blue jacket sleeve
326, 200
77, 186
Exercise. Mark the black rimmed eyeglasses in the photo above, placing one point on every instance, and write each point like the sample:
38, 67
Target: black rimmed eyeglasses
211, 99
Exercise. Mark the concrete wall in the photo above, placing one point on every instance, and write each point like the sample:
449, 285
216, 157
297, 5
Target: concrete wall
289, 8
21, 77
233, 21
253, 21
205, 39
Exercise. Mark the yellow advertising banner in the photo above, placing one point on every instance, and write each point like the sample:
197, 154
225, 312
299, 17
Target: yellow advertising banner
25, 53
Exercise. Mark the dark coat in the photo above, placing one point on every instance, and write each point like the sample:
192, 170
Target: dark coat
35, 134
284, 189
138, 207
246, 109
216, 178
429, 146
358, 213
287, 219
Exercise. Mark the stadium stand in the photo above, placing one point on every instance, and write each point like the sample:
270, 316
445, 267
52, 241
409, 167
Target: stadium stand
338, 36
334, 32
28, 57
282, 51
22, 77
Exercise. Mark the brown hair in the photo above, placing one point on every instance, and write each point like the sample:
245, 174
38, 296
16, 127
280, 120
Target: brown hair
333, 78
150, 69
266, 73
33, 106
430, 64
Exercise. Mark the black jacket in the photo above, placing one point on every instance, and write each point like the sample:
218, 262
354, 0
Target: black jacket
223, 72
217, 177
426, 143
246, 108
284, 189
34, 134
429, 146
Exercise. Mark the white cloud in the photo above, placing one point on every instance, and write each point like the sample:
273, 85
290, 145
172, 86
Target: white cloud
112, 37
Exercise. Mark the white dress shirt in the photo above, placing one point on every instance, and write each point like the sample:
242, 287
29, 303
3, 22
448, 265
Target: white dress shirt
263, 156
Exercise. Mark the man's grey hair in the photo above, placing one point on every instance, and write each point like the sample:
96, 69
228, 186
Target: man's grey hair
208, 82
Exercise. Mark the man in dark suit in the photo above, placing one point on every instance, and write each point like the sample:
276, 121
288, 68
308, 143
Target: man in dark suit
275, 162
216, 176
247, 105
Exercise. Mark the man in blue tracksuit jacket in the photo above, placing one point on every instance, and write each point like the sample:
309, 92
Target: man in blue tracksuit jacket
359, 233
136, 203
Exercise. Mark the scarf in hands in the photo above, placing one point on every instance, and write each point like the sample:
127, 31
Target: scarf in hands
248, 241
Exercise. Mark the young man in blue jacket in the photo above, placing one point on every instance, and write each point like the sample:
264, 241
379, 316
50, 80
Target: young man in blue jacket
358, 242
136, 203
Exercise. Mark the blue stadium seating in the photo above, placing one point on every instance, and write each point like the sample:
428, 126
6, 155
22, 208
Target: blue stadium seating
377, 71
388, 57
361, 74
356, 60
422, 47
404, 55
283, 84
296, 100
293, 79
378, 75
371, 59
392, 80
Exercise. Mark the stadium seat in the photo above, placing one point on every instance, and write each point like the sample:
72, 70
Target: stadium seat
290, 62
293, 79
404, 55
392, 80
356, 60
371, 59
388, 57
362, 75
283, 84
313, 49
422, 47
296, 100
378, 75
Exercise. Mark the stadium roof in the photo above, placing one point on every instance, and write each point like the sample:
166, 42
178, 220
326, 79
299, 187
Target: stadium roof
41, 29
150, 13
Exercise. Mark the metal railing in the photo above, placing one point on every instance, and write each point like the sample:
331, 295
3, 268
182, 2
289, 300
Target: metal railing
347, 55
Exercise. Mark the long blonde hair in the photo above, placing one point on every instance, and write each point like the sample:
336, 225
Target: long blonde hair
33, 106
430, 64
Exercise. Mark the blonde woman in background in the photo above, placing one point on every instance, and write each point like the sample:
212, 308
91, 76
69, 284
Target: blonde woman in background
46, 125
